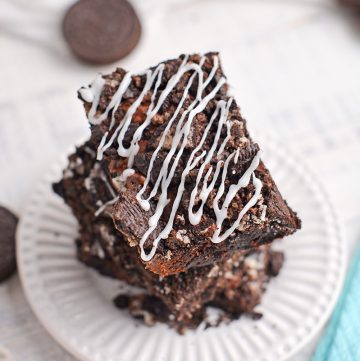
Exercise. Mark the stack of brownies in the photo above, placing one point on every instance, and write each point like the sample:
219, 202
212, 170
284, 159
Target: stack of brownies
171, 194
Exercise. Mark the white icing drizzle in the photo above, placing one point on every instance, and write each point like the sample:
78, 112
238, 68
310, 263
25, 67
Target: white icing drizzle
237, 155
221, 213
87, 94
126, 174
263, 213
145, 203
108, 186
204, 194
90, 151
109, 203
98, 172
179, 142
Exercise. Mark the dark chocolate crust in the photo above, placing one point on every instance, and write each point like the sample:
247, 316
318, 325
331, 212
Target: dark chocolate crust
187, 245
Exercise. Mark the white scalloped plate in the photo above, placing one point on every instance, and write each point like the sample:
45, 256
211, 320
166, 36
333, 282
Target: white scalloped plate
74, 304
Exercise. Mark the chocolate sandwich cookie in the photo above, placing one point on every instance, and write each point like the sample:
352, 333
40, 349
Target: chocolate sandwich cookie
101, 32
8, 223
354, 4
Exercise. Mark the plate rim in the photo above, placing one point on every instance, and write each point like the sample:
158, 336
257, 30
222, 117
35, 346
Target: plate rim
338, 227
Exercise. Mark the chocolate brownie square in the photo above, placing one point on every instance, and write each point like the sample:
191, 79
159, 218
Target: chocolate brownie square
186, 181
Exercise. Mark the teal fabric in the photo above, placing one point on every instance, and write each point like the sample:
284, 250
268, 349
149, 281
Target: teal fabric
341, 341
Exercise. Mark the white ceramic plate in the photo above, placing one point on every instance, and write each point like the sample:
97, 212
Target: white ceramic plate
74, 304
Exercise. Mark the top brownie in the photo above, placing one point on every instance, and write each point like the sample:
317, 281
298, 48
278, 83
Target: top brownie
187, 183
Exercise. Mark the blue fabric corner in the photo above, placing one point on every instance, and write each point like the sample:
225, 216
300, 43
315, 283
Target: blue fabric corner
341, 340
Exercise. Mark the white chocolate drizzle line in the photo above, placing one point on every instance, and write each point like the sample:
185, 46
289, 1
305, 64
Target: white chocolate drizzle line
221, 213
109, 203
97, 172
179, 142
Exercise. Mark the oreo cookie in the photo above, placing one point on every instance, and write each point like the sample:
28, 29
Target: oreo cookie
100, 31
354, 4
8, 223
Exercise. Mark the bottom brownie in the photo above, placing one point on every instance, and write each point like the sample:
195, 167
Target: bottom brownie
234, 286
242, 291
